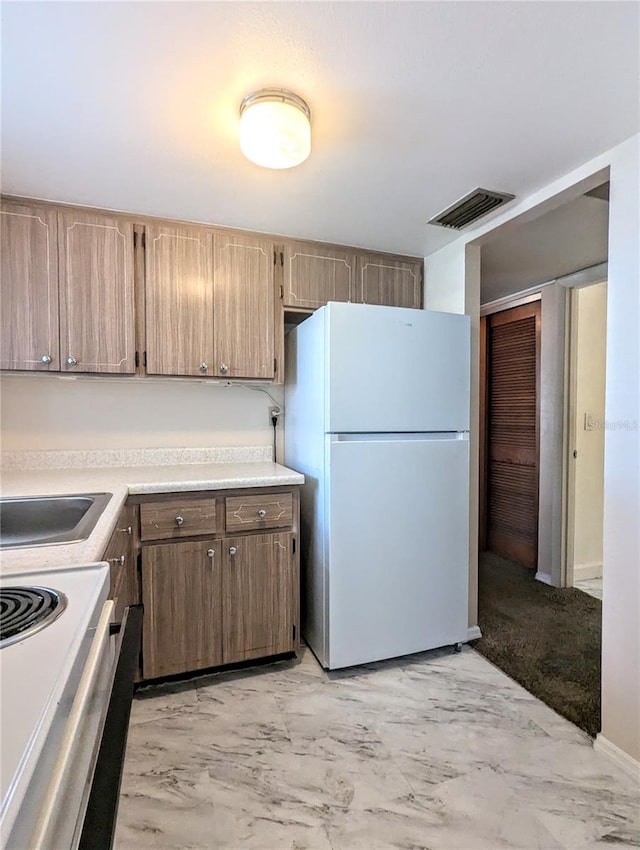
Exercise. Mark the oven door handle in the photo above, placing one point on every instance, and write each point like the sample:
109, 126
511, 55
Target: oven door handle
47, 827
99, 825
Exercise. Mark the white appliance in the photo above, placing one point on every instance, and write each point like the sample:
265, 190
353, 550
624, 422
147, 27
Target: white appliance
377, 419
56, 685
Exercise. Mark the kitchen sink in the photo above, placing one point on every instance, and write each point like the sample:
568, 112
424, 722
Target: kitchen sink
47, 520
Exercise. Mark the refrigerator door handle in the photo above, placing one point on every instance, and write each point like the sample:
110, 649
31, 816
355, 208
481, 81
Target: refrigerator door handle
399, 437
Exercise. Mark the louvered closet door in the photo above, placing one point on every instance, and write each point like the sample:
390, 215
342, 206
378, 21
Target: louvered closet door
512, 485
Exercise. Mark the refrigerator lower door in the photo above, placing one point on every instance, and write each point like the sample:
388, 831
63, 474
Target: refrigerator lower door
398, 539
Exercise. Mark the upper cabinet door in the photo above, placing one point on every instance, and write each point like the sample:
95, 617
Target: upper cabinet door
243, 311
29, 301
179, 300
383, 280
315, 274
96, 293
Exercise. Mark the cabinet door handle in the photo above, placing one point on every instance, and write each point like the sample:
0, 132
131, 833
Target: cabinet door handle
179, 520
71, 361
119, 560
233, 550
224, 368
46, 358
203, 366
128, 530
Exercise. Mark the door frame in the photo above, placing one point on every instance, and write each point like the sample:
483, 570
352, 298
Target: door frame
571, 423
558, 511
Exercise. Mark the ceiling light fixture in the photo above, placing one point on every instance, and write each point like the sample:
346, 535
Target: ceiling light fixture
275, 128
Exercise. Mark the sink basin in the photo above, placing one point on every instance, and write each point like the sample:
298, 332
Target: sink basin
47, 520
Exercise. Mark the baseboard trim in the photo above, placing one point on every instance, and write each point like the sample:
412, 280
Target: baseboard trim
545, 578
583, 572
473, 633
624, 760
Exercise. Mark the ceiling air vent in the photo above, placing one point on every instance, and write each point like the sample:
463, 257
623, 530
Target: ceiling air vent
470, 208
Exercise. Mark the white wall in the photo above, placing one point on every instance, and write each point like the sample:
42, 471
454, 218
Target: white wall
452, 285
551, 471
589, 312
621, 604
621, 564
58, 413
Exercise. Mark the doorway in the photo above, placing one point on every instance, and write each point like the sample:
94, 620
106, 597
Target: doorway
545, 637
539, 623
585, 464
511, 417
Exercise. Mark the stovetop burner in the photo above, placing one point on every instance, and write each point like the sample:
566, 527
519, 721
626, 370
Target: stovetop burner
26, 610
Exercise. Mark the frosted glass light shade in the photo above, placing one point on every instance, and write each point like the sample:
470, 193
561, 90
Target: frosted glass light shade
275, 129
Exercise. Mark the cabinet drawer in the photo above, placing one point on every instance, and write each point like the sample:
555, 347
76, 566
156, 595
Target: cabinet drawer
177, 518
249, 512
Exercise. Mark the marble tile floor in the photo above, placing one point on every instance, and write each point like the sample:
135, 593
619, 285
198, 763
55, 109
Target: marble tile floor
592, 586
437, 750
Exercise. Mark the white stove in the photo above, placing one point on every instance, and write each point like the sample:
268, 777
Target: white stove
56, 680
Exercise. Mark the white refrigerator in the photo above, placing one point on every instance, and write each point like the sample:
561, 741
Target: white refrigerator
377, 419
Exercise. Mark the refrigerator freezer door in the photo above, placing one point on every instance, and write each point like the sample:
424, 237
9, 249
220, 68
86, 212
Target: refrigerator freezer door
394, 369
398, 546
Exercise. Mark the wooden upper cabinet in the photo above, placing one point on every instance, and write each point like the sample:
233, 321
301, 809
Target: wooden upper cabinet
29, 298
384, 280
315, 274
212, 302
96, 293
243, 307
179, 300
257, 594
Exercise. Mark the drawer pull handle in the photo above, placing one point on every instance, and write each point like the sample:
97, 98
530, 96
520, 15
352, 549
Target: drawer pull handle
119, 560
262, 513
233, 550
179, 520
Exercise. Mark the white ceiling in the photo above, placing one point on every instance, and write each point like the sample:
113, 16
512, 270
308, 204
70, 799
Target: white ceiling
134, 106
568, 239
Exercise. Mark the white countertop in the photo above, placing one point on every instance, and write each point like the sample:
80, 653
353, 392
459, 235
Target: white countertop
123, 481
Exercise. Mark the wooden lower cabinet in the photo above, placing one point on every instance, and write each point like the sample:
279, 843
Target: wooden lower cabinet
231, 592
182, 599
257, 596
122, 555
213, 602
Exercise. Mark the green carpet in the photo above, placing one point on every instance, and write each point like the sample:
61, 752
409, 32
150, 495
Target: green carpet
546, 638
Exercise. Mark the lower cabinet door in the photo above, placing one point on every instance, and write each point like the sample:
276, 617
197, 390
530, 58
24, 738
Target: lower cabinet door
257, 592
128, 591
181, 594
